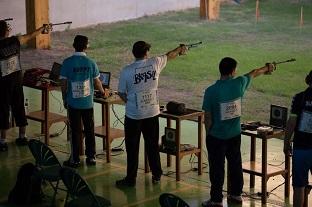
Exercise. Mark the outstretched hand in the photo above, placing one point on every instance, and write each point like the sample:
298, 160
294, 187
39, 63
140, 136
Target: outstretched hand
183, 49
270, 68
46, 28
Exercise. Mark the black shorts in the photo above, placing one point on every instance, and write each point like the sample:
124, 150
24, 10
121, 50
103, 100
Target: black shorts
12, 96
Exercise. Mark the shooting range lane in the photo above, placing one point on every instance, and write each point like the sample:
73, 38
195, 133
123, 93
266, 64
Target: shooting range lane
192, 188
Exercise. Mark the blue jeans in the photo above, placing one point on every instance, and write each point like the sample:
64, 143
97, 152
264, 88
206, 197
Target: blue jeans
302, 163
218, 150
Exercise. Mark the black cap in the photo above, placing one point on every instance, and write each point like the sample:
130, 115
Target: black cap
140, 48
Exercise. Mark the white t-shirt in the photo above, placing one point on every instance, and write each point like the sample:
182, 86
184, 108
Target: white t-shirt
139, 81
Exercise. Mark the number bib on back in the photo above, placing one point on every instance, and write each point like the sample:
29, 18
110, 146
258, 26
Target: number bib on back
146, 99
9, 65
230, 110
305, 124
81, 89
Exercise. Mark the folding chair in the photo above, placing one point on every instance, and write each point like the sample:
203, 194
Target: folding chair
79, 191
170, 200
47, 163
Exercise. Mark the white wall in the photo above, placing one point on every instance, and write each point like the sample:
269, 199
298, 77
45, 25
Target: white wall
14, 9
87, 12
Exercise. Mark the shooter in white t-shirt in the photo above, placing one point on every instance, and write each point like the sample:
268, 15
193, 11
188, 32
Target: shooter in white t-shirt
138, 87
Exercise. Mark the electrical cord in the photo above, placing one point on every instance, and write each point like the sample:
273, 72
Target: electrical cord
193, 162
276, 165
61, 106
59, 132
104, 153
278, 186
118, 147
115, 114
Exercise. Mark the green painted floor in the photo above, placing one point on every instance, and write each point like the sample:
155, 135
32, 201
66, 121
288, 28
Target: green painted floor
194, 189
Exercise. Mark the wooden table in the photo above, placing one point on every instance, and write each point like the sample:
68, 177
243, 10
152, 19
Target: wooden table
193, 115
105, 130
44, 116
262, 169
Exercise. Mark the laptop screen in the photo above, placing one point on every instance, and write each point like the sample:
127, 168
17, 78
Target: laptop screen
55, 72
105, 79
278, 116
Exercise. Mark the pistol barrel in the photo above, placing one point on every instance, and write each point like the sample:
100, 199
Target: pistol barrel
285, 61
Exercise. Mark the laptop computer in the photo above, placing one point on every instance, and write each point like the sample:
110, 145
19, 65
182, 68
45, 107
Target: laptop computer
54, 75
33, 75
105, 79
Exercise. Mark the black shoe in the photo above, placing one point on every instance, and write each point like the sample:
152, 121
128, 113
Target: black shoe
155, 179
71, 164
3, 147
21, 141
90, 161
235, 199
210, 203
125, 183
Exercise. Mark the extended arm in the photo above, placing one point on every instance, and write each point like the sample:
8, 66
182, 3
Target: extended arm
175, 52
267, 69
26, 37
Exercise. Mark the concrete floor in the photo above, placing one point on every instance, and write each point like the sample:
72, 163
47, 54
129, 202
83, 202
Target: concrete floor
194, 189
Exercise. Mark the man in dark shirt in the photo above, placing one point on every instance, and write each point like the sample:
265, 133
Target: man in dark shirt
300, 124
11, 88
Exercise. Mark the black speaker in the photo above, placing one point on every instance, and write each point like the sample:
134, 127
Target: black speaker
168, 140
278, 116
175, 108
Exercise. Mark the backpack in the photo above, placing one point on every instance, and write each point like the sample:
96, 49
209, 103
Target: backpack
27, 189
